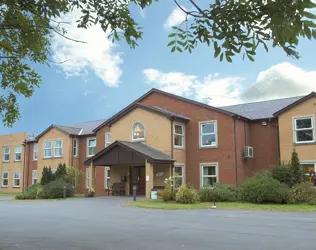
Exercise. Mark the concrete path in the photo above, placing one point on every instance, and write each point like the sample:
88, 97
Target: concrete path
101, 223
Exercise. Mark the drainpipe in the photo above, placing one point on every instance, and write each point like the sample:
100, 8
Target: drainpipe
24, 162
235, 149
172, 165
278, 144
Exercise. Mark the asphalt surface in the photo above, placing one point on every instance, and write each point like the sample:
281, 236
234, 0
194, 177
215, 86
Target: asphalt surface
101, 223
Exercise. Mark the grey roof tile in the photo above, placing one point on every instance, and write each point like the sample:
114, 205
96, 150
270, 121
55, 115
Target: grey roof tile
165, 111
146, 150
88, 127
69, 130
261, 110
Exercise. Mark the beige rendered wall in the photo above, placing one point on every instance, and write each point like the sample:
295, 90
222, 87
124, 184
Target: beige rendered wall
12, 140
166, 169
157, 129
305, 152
53, 162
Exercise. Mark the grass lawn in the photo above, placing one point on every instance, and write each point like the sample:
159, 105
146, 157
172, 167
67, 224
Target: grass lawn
77, 196
159, 204
8, 194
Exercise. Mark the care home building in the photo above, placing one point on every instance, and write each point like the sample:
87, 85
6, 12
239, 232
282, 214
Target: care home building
160, 134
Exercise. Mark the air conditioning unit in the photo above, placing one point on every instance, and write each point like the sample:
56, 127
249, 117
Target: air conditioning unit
248, 152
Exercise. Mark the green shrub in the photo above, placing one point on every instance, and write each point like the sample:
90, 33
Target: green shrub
167, 194
187, 195
47, 176
61, 172
263, 188
220, 192
303, 193
288, 174
29, 194
55, 189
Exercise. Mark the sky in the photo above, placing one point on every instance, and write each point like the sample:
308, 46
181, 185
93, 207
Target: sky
100, 78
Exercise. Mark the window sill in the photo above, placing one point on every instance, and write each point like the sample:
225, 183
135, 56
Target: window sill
304, 143
178, 147
58, 157
34, 159
90, 155
206, 147
6, 161
4, 186
17, 161
16, 186
138, 140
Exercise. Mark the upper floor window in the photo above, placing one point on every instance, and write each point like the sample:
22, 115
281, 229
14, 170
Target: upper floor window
17, 153
91, 146
178, 135
58, 148
16, 179
6, 154
138, 132
5, 179
208, 134
35, 152
107, 139
75, 146
304, 129
48, 149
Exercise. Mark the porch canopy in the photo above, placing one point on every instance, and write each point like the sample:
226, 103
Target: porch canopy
122, 152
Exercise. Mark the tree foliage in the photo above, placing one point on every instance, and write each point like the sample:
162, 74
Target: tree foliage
61, 172
231, 27
47, 176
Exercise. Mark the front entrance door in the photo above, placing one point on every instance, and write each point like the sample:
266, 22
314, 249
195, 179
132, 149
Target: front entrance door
138, 179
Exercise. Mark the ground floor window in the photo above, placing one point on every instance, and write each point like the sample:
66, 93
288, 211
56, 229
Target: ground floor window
209, 172
34, 177
87, 177
5, 179
310, 170
179, 173
107, 177
16, 179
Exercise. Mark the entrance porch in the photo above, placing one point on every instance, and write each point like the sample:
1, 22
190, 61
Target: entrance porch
132, 163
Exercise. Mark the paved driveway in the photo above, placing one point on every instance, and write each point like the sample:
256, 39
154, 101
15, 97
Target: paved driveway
101, 223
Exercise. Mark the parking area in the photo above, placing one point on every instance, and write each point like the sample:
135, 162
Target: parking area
102, 223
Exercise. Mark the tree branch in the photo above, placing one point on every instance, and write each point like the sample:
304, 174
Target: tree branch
191, 13
197, 7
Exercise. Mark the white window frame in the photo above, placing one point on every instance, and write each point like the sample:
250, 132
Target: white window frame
33, 179
14, 179
201, 135
2, 179
51, 149
58, 148
107, 139
88, 139
106, 177
208, 164
4, 154
75, 147
133, 127
180, 165
295, 118
35, 152
182, 135
15, 153
87, 178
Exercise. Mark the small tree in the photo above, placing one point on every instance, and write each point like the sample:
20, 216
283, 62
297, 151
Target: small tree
298, 172
61, 172
73, 175
47, 176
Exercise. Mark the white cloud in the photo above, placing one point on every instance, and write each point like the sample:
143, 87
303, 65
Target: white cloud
97, 55
176, 17
279, 81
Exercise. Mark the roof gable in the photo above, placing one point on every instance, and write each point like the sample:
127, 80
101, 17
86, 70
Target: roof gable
63, 129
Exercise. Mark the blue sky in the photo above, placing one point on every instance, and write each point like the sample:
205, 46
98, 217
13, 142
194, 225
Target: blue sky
100, 78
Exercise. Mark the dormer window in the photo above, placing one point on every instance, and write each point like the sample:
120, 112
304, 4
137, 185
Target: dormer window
138, 132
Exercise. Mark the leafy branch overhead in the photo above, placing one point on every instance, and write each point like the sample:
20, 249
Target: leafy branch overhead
240, 27
230, 26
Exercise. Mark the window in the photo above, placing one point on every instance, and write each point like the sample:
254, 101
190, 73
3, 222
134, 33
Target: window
87, 177
304, 129
91, 146
34, 177
75, 147
178, 170
48, 149
178, 135
107, 177
208, 134
209, 174
58, 148
16, 179
138, 132
17, 153
35, 152
6, 154
5, 179
107, 139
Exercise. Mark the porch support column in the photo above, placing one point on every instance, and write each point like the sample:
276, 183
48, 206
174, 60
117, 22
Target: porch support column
92, 175
149, 178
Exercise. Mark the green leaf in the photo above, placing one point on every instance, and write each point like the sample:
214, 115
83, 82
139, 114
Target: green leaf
248, 45
309, 15
250, 57
221, 57
173, 49
171, 43
179, 49
228, 59
172, 35
217, 52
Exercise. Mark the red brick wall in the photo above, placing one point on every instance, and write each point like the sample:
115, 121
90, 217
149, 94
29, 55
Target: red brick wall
30, 165
224, 154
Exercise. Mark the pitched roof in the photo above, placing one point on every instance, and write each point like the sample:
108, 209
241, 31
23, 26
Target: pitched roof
302, 99
155, 109
140, 148
261, 110
88, 127
153, 90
